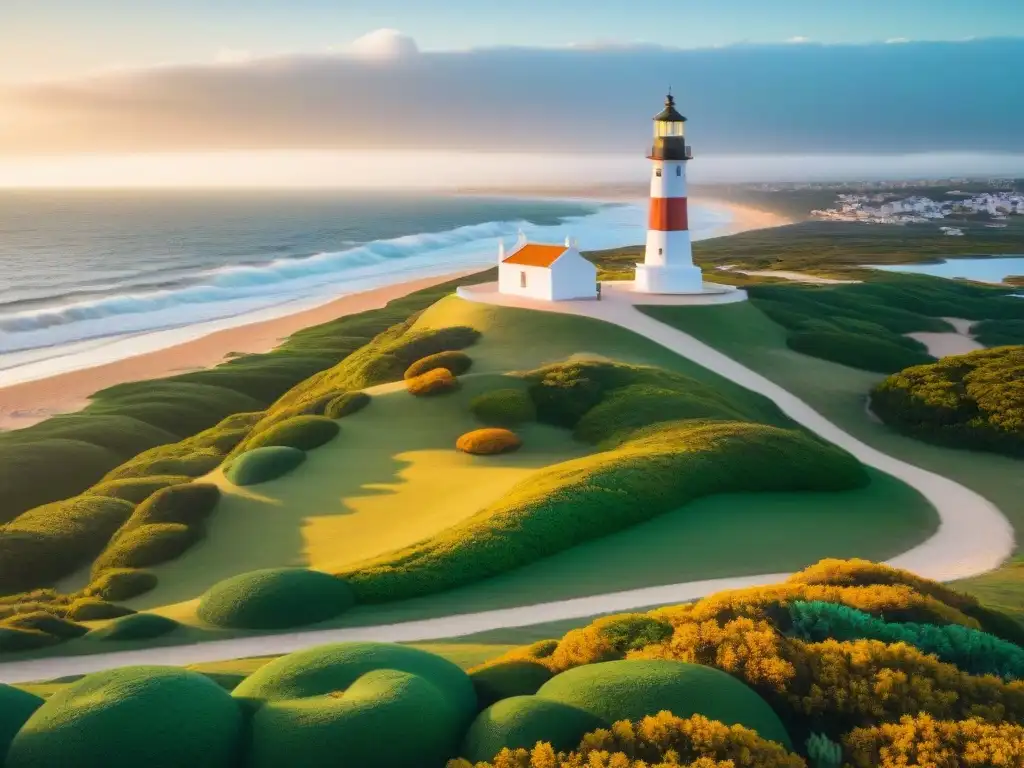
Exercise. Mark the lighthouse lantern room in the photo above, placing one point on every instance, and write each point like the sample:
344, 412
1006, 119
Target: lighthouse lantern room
668, 260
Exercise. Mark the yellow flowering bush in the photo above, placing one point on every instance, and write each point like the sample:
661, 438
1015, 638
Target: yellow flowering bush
660, 740
930, 743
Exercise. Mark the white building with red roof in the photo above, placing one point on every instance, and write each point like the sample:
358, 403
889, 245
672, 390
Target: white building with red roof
546, 272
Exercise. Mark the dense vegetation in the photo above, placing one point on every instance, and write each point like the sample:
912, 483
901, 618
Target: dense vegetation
125, 420
488, 442
964, 401
732, 680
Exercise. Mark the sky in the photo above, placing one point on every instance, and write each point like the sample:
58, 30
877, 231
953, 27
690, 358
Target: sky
120, 91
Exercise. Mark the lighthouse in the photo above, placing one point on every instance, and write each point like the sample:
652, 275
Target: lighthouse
668, 259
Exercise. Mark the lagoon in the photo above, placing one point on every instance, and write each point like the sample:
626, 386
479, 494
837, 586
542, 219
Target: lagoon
984, 270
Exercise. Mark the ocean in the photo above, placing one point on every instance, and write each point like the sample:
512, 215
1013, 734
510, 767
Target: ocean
89, 277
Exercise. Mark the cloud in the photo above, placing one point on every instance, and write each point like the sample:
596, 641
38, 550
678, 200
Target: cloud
799, 39
897, 40
382, 93
384, 44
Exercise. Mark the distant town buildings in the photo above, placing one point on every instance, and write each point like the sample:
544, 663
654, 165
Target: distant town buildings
880, 208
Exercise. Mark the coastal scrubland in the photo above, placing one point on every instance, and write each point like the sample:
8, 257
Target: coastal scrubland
845, 663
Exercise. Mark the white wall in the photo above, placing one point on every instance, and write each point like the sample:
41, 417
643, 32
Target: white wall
674, 246
538, 281
573, 277
672, 182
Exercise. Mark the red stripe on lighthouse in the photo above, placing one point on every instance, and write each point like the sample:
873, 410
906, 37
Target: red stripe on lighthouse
668, 214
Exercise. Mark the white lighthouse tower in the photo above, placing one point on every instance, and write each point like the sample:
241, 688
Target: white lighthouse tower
668, 260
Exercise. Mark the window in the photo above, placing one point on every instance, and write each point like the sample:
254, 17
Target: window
659, 251
522, 279
679, 170
657, 172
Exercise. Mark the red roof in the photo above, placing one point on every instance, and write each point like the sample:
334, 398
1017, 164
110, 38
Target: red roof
536, 255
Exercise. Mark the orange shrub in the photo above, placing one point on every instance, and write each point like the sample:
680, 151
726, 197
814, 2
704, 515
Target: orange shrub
434, 382
487, 442
922, 740
658, 741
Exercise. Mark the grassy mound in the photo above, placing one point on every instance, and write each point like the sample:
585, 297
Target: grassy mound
41, 621
436, 382
454, 361
154, 716
13, 640
503, 408
29, 474
631, 690
54, 540
187, 504
137, 489
16, 706
521, 722
963, 401
178, 459
378, 705
275, 598
263, 464
122, 584
93, 609
346, 404
866, 353
148, 545
515, 677
138, 626
302, 432
488, 442
655, 471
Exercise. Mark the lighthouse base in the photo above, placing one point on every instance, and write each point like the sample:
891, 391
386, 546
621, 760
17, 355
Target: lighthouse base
664, 278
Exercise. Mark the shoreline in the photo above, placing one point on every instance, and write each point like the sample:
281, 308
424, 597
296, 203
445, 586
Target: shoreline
29, 402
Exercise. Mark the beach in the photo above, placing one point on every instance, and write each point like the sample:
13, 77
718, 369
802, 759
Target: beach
29, 402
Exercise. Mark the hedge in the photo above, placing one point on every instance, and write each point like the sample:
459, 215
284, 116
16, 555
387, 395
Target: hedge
455, 361
41, 621
857, 351
439, 381
138, 626
488, 442
303, 432
261, 465
94, 609
346, 404
148, 545
137, 489
54, 540
116, 584
187, 504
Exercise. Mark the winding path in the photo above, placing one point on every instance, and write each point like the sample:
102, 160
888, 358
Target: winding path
973, 536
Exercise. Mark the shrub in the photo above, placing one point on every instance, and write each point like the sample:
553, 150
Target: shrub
609, 638
376, 704
188, 504
346, 404
168, 460
521, 722
159, 717
503, 408
137, 489
137, 626
147, 545
436, 382
964, 401
663, 740
16, 706
92, 609
302, 432
54, 540
263, 464
13, 640
655, 471
978, 653
563, 393
488, 442
922, 740
42, 472
857, 351
454, 361
517, 677
632, 690
118, 584
41, 621
275, 598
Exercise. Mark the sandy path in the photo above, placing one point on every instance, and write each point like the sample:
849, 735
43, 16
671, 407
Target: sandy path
973, 536
958, 342
782, 274
27, 403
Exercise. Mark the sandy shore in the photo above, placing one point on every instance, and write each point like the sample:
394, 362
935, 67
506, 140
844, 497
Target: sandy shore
22, 405
958, 342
